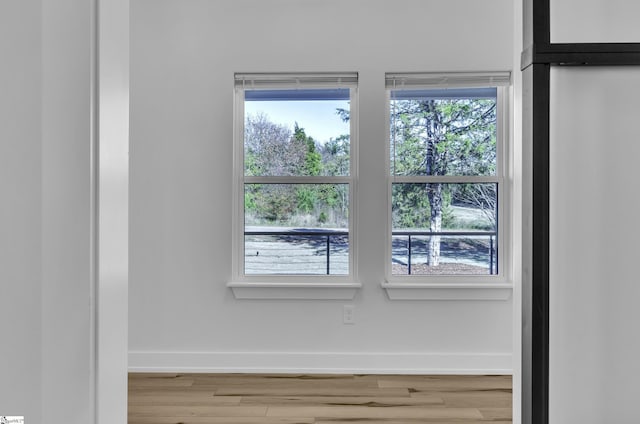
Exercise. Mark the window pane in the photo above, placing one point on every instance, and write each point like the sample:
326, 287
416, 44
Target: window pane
443, 132
297, 132
296, 229
448, 229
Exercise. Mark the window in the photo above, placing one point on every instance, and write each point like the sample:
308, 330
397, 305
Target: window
447, 164
295, 164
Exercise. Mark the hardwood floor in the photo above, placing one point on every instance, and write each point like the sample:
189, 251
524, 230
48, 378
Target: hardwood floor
319, 399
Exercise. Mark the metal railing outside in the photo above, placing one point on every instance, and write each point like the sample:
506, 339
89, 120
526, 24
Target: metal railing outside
410, 235
492, 249
327, 234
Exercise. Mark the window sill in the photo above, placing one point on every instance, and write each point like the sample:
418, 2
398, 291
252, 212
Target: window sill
448, 291
294, 291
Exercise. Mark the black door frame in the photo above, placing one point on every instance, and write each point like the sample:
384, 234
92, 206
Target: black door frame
538, 57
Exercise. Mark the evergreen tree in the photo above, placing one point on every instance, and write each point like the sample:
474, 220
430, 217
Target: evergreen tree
438, 137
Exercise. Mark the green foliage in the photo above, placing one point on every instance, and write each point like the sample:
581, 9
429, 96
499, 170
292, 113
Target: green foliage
410, 206
440, 137
312, 160
276, 203
297, 204
344, 114
444, 136
335, 156
273, 150
448, 220
251, 163
250, 201
307, 197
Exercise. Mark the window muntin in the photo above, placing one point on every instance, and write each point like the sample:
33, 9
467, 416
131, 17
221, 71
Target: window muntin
296, 191
446, 177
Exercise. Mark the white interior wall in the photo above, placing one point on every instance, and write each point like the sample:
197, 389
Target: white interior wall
594, 347
183, 57
67, 315
112, 209
593, 282
45, 316
20, 214
595, 21
519, 215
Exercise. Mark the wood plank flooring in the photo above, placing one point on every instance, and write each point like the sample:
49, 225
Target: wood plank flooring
317, 399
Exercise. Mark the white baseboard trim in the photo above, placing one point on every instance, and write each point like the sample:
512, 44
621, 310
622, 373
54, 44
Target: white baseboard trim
321, 363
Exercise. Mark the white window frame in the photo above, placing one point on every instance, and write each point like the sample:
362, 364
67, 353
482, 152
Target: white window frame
283, 286
443, 287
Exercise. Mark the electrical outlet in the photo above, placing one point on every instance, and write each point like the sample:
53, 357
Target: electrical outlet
349, 314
